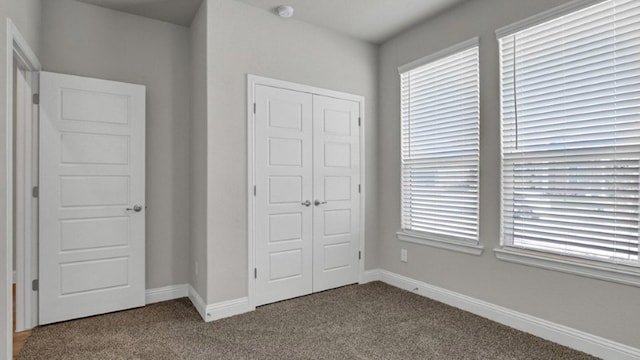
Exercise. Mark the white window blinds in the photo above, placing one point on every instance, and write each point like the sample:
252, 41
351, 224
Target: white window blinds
571, 133
440, 112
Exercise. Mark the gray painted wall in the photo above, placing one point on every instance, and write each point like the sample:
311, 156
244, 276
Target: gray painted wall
242, 40
199, 113
91, 41
597, 307
27, 16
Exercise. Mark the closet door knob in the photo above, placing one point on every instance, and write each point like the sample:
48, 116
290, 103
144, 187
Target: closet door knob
307, 203
136, 208
318, 202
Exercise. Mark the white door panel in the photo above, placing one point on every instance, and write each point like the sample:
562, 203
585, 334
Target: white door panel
283, 163
92, 170
336, 192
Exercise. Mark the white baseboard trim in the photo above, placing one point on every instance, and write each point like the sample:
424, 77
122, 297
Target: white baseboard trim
166, 293
371, 275
228, 308
198, 303
564, 335
220, 310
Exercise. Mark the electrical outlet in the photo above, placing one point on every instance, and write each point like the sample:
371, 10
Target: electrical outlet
403, 255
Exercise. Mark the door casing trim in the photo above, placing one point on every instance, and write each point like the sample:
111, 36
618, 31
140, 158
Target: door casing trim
252, 82
16, 46
26, 206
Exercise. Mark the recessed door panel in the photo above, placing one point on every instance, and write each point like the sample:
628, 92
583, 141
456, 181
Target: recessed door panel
285, 189
285, 227
79, 277
285, 152
87, 234
81, 104
337, 188
285, 265
285, 114
79, 148
92, 170
337, 122
337, 256
337, 222
337, 155
94, 191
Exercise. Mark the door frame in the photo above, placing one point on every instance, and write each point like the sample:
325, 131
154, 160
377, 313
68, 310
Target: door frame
26, 205
16, 46
252, 82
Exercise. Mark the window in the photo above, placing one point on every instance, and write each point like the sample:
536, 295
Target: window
440, 112
570, 91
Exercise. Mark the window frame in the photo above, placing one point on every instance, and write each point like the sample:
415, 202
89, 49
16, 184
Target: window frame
586, 267
430, 239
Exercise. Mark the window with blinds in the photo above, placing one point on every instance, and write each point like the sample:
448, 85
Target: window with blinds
571, 133
440, 112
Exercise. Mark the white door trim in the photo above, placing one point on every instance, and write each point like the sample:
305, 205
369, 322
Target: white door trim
252, 82
26, 210
18, 46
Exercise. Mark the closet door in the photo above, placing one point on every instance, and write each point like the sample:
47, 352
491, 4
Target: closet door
336, 168
283, 194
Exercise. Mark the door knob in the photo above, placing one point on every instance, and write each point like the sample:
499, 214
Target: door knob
136, 208
318, 202
307, 203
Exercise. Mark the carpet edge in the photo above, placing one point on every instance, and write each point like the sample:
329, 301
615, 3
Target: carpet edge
563, 335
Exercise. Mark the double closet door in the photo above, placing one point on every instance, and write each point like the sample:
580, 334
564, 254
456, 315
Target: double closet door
307, 194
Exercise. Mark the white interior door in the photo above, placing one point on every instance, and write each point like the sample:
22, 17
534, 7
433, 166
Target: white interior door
92, 176
283, 179
336, 168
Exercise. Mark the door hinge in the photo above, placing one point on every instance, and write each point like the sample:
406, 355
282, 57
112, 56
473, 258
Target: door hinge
254, 108
255, 191
255, 273
36, 99
359, 121
35, 285
35, 192
359, 188
359, 255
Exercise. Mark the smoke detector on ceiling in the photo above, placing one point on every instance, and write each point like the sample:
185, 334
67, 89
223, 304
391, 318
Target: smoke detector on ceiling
285, 11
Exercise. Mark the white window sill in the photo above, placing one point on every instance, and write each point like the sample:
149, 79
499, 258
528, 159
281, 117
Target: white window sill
621, 274
452, 245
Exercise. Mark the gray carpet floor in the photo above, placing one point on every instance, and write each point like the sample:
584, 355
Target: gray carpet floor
372, 321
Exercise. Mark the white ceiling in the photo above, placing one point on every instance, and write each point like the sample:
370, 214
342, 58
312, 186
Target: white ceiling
370, 20
179, 12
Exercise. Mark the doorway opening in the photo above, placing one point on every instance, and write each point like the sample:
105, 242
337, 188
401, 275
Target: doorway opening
21, 178
25, 179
